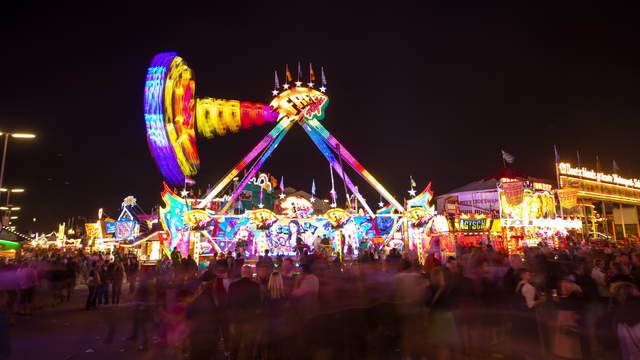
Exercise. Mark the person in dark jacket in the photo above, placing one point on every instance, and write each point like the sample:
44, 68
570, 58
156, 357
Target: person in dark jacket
244, 302
203, 317
132, 273
117, 279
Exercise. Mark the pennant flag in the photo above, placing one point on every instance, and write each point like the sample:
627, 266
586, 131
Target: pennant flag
413, 183
312, 75
616, 168
288, 73
276, 79
282, 184
313, 187
261, 194
597, 164
508, 158
555, 150
299, 71
323, 78
189, 181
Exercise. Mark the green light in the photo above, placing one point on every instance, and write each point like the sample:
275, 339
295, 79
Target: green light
9, 245
67, 182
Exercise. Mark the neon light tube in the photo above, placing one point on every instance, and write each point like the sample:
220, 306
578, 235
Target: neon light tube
257, 166
275, 132
337, 147
317, 139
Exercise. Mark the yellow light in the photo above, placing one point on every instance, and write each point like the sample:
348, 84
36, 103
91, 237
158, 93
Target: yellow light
17, 190
23, 136
4, 208
13, 217
15, 208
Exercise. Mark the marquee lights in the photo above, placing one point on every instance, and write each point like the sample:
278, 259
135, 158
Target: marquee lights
300, 102
567, 169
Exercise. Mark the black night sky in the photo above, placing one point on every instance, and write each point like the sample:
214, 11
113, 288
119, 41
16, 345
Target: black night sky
431, 89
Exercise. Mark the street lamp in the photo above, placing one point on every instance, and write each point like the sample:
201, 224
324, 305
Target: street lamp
6, 144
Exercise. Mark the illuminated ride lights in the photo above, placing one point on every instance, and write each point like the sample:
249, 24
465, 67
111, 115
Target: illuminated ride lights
171, 112
170, 133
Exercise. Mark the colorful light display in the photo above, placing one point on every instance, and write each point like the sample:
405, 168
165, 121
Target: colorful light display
257, 230
171, 112
160, 146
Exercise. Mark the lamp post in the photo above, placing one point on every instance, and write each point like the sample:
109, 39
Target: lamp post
6, 144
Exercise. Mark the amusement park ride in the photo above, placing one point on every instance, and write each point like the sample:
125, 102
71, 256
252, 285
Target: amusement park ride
173, 114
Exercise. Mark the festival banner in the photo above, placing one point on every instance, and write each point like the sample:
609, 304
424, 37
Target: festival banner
568, 198
513, 191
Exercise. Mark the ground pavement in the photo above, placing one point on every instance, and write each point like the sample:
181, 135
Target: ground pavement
68, 332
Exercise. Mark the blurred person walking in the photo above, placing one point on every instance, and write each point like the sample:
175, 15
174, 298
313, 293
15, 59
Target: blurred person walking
244, 302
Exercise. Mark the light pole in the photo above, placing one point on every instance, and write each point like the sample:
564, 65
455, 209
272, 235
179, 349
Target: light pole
8, 207
6, 144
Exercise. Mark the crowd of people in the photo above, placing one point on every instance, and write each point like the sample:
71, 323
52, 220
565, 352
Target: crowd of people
573, 303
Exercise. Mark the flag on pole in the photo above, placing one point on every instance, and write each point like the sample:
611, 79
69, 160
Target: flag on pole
413, 183
616, 168
189, 181
276, 79
312, 75
597, 163
299, 71
288, 73
555, 150
282, 184
508, 158
313, 187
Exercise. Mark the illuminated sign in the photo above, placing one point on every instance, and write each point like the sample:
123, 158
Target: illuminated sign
300, 102
566, 169
264, 181
556, 223
596, 185
472, 223
296, 207
541, 186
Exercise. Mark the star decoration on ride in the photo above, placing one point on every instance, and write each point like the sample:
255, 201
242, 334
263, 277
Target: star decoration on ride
298, 83
312, 199
184, 193
261, 205
322, 89
282, 195
381, 204
285, 85
274, 92
412, 192
310, 84
333, 205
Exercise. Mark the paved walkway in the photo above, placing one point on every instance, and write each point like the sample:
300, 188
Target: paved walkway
67, 332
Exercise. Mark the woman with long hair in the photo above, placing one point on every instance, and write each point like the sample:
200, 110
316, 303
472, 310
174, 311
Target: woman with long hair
277, 327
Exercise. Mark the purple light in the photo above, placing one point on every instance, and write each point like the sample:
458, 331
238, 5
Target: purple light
157, 138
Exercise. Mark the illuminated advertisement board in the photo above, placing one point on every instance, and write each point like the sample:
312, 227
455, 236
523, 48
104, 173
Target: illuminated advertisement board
599, 186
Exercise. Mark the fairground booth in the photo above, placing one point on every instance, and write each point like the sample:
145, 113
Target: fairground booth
507, 210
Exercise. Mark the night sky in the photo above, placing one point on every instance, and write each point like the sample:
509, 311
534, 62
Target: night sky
432, 90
